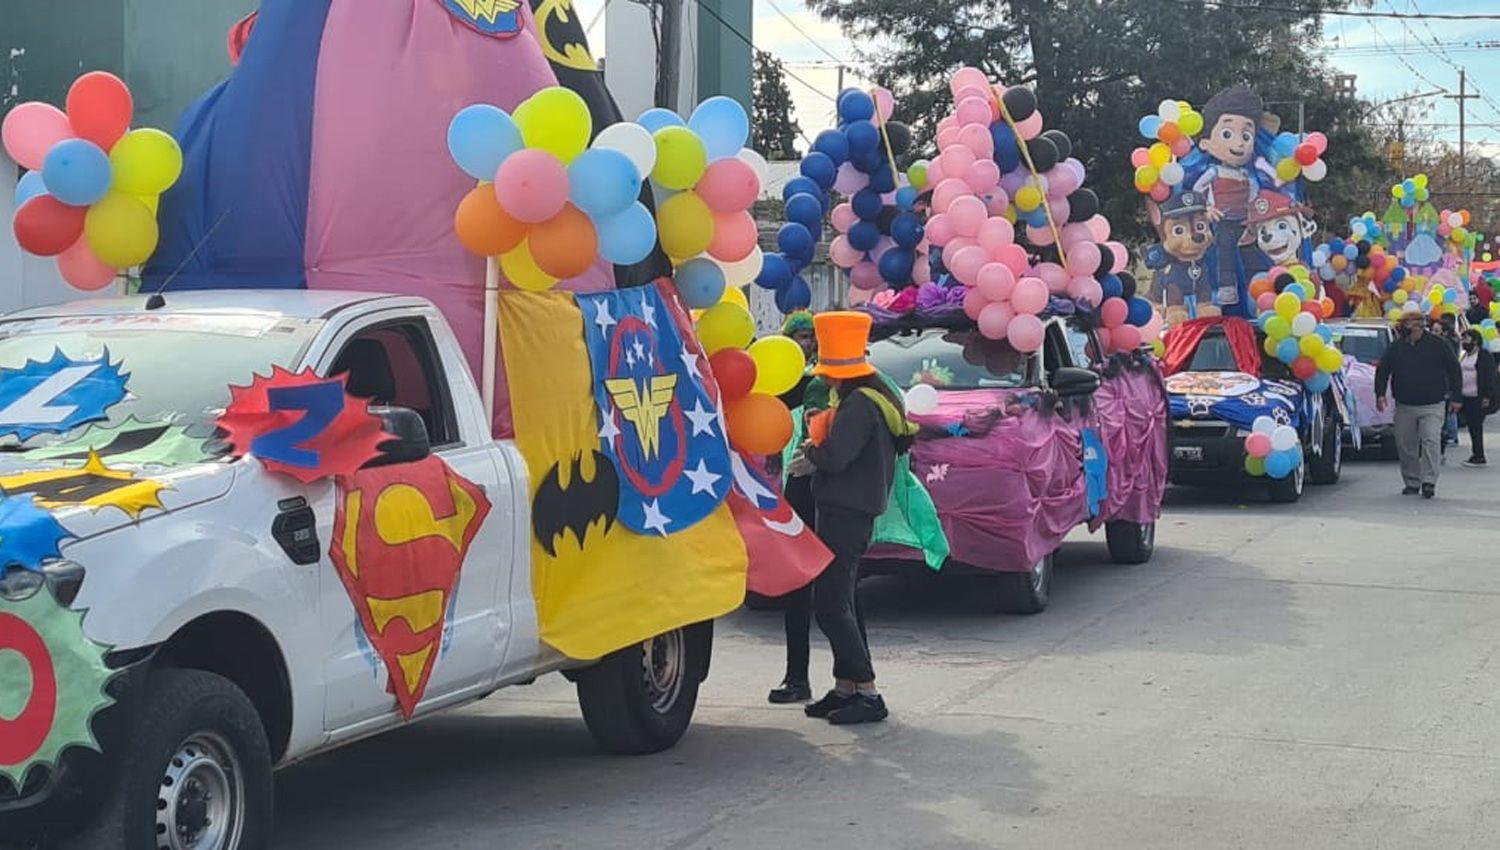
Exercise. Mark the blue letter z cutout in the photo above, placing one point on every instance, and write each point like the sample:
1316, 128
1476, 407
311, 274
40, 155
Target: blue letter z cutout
58, 395
320, 404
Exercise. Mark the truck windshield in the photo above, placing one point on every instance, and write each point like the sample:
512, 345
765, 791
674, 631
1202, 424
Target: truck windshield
1366, 344
951, 360
1213, 355
179, 366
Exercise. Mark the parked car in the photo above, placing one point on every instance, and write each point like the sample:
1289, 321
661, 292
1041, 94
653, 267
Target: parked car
1364, 342
1214, 401
1007, 454
234, 638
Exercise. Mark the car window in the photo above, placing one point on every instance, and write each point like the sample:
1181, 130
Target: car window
397, 364
1081, 345
1056, 351
951, 360
1365, 344
1213, 355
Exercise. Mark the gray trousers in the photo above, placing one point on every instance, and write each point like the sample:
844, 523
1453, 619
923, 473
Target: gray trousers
1419, 430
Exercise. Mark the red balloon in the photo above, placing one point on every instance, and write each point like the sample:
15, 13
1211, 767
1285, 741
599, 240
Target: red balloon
1306, 154
47, 227
735, 372
1304, 367
100, 108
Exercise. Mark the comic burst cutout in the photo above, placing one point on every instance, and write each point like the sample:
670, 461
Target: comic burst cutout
29, 534
57, 395
93, 485
52, 683
301, 425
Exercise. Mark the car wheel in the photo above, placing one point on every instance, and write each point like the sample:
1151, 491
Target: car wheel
640, 699
1028, 592
1328, 466
194, 773
1130, 542
1289, 488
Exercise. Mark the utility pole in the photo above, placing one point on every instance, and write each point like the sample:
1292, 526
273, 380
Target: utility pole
669, 62
1462, 96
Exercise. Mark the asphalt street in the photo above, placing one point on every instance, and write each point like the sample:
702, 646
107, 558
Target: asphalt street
1320, 674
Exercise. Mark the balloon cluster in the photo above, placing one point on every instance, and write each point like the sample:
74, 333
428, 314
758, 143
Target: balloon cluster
1296, 334
750, 376
1366, 226
1300, 156
1411, 191
999, 181
89, 197
1422, 296
1342, 262
1171, 131
1453, 225
1272, 449
1490, 331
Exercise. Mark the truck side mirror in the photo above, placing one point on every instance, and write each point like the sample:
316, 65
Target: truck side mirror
1071, 381
406, 440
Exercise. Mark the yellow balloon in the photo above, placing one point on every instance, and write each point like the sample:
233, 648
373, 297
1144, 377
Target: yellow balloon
735, 295
1028, 198
1191, 123
1311, 345
1288, 169
680, 158
1278, 327
1158, 347
556, 120
1399, 296
1160, 154
151, 201
520, 268
1393, 315
145, 162
1269, 344
1329, 359
121, 230
725, 326
778, 364
1287, 305
685, 225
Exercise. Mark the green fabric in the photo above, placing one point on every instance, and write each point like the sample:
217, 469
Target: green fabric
173, 447
898, 424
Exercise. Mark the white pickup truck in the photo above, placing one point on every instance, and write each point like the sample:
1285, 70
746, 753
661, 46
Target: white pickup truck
236, 644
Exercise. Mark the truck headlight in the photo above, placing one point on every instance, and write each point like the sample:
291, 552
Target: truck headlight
64, 577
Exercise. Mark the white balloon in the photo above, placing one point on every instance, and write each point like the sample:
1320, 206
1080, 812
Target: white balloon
1263, 425
1169, 110
758, 163
1283, 438
1455, 220
634, 141
1171, 173
922, 399
1410, 307
742, 272
1315, 172
1303, 324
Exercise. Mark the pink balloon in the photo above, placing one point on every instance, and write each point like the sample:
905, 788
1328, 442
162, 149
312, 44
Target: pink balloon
940, 230
842, 217
728, 185
1084, 258
1119, 256
1029, 295
995, 281
972, 110
1014, 257
855, 297
842, 253
1258, 445
981, 91
1126, 337
948, 191
1061, 181
1153, 326
921, 271
1040, 235
734, 236
1031, 127
1072, 164
885, 103
956, 160
947, 138
532, 185
1099, 227
997, 201
865, 275
958, 243
1113, 311
935, 173
966, 263
967, 76
1025, 333
1265, 301
995, 320
983, 176
31, 129
1075, 231
994, 234
849, 179
977, 138
1053, 275
1061, 209
885, 244
82, 270
1085, 289
1140, 157
946, 122
974, 302
967, 213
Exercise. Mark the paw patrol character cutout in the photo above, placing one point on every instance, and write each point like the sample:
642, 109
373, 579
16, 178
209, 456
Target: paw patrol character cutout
1231, 119
1278, 226
1182, 223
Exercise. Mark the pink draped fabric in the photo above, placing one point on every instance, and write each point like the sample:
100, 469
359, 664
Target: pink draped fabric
1360, 378
383, 191
1131, 415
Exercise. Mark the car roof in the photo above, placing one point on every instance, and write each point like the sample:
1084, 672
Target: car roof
289, 303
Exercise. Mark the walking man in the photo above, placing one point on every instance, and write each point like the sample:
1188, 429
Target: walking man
1423, 375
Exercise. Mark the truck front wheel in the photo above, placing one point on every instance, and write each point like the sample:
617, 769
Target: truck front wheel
1130, 542
640, 699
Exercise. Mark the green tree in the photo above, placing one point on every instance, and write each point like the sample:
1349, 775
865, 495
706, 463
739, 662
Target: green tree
773, 131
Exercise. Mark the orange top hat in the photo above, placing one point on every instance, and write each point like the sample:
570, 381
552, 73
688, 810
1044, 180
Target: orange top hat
843, 336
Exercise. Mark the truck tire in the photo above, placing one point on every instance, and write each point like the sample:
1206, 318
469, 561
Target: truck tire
195, 770
1328, 466
1025, 593
1288, 489
640, 699
1130, 542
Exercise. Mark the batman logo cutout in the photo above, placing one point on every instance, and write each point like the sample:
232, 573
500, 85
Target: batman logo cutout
562, 37
558, 508
92, 485
57, 395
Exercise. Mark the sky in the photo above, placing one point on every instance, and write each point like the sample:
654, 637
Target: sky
1389, 58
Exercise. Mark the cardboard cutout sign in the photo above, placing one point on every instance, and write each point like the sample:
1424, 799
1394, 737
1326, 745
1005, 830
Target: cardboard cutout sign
57, 395
29, 534
93, 485
301, 425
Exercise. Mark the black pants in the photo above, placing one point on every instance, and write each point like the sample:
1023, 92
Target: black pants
1473, 411
797, 606
835, 591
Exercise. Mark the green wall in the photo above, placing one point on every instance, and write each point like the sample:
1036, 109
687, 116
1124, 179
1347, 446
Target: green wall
723, 57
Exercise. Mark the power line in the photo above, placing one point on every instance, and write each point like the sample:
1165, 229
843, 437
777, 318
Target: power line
798, 27
1227, 5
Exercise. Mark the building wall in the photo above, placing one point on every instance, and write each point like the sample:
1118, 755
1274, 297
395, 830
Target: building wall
723, 56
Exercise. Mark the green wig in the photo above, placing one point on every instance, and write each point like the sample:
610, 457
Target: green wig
797, 321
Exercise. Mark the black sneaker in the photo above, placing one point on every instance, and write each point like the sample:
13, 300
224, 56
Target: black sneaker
1476, 462
1429, 490
789, 691
831, 702
864, 708
1409, 491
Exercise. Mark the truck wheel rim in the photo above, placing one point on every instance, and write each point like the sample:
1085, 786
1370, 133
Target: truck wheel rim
663, 659
1147, 533
1039, 573
200, 803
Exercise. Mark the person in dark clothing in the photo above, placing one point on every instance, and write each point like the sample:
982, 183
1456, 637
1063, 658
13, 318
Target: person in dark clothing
1446, 326
1422, 372
852, 456
1477, 391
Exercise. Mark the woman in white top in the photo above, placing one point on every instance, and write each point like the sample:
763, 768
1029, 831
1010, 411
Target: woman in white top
1477, 369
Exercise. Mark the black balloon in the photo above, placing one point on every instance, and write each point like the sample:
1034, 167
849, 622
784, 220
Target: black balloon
1362, 261
1063, 143
1282, 281
1083, 205
883, 221
1364, 246
1019, 103
900, 136
1127, 285
1043, 153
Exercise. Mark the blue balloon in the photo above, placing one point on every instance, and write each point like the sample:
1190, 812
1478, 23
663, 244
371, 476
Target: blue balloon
1007, 149
820, 168
480, 137
805, 210
1278, 464
1409, 187
1286, 144
701, 283
796, 295
906, 197
775, 272
1265, 318
895, 265
656, 118
1112, 285
832, 144
866, 204
29, 186
795, 241
1336, 245
1297, 290
1449, 296
867, 161
628, 236
722, 124
1287, 350
882, 179
855, 105
76, 172
1148, 126
800, 186
1399, 274
603, 181
1351, 252
864, 235
863, 138
1324, 332
906, 230
1390, 284
1318, 382
1138, 312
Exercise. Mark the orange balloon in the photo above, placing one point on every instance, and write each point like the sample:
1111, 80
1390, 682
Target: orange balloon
1327, 306
1260, 286
758, 424
1169, 132
565, 245
483, 226
1464, 214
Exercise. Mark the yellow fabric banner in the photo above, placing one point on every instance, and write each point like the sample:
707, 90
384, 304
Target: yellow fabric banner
598, 586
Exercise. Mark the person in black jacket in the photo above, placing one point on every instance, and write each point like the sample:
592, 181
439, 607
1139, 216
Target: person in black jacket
1477, 391
1422, 372
797, 606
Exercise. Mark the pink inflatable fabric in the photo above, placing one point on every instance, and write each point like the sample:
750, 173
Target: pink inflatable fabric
1360, 378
